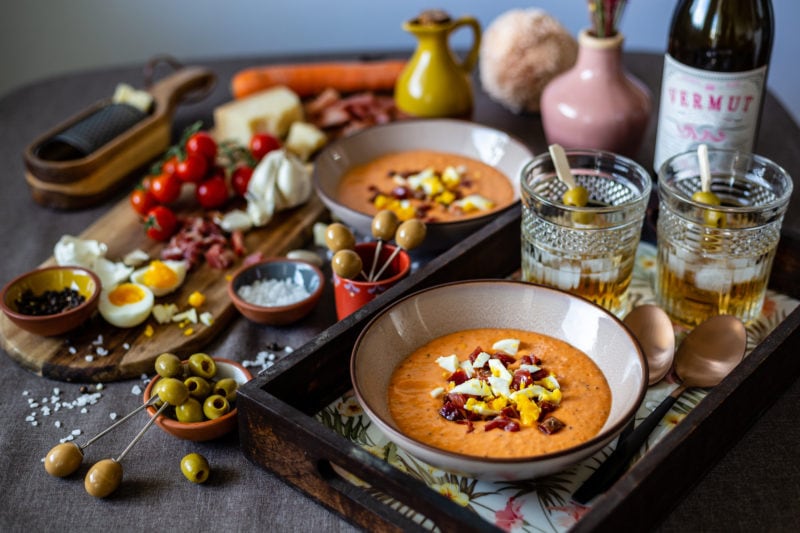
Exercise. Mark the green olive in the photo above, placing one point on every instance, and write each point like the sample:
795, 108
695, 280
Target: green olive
168, 365
346, 264
215, 406
195, 467
576, 196
384, 224
189, 411
103, 478
171, 390
203, 365
411, 233
339, 237
63, 459
198, 387
713, 218
226, 387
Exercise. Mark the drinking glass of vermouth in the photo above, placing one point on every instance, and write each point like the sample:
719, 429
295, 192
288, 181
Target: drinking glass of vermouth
716, 242
582, 238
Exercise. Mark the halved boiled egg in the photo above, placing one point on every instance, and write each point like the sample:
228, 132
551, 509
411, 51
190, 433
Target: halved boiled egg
161, 277
126, 305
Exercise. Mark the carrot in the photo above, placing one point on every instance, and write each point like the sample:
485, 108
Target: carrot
309, 79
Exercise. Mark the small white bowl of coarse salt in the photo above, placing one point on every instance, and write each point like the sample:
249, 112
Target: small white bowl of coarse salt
276, 291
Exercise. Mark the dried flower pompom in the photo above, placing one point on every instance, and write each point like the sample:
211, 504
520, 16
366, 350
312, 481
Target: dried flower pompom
521, 51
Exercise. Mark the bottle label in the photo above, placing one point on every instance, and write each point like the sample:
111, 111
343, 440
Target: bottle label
720, 109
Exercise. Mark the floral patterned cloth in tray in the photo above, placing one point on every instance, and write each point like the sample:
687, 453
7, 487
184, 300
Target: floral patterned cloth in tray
544, 504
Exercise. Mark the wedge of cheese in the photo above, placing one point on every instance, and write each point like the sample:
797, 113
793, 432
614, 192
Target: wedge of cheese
304, 139
271, 111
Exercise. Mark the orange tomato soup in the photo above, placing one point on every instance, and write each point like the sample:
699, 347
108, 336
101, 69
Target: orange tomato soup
584, 407
361, 185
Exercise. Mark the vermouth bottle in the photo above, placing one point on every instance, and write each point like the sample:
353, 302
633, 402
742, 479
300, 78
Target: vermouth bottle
715, 73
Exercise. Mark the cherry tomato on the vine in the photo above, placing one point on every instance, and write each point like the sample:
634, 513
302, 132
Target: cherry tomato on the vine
170, 165
192, 169
263, 143
142, 200
240, 179
203, 144
212, 192
160, 223
165, 188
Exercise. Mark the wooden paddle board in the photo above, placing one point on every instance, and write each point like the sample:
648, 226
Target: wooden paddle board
99, 352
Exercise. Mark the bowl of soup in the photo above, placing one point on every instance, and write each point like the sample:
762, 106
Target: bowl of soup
453, 174
498, 379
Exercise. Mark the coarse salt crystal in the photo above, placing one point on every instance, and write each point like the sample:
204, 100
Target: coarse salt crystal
273, 292
136, 389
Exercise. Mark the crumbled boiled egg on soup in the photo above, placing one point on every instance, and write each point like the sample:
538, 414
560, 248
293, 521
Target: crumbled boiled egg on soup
488, 398
126, 305
474, 202
161, 277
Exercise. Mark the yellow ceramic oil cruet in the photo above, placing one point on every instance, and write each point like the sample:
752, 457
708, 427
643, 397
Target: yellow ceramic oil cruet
435, 82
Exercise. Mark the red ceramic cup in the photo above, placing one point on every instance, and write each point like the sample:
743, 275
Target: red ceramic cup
350, 295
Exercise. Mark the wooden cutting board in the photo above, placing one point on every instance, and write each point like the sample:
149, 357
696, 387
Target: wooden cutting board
131, 353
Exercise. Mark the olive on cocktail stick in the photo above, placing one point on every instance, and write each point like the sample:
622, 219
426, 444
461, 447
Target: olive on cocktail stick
104, 476
409, 235
65, 458
384, 227
347, 264
705, 195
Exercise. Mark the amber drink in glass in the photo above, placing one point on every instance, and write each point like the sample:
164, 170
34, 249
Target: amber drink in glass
586, 250
717, 259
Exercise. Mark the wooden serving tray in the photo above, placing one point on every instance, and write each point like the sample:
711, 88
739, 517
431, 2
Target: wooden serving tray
279, 432
131, 352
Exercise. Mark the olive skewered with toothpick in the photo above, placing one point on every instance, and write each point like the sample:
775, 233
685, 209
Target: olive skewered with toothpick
409, 235
384, 227
65, 458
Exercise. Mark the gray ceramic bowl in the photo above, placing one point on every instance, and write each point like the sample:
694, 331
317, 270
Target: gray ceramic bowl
485, 144
428, 314
281, 268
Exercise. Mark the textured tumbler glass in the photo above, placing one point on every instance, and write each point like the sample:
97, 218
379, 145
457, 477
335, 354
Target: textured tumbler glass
717, 260
588, 251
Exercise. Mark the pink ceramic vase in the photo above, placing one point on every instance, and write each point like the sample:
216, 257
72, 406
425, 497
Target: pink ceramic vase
597, 104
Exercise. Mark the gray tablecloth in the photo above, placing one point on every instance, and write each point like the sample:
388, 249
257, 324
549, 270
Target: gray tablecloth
755, 487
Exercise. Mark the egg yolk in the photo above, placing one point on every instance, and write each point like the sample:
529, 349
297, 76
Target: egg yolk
160, 276
126, 293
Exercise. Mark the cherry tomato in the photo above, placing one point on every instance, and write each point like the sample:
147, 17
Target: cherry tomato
192, 169
203, 144
240, 179
160, 223
165, 188
142, 200
263, 143
170, 165
212, 192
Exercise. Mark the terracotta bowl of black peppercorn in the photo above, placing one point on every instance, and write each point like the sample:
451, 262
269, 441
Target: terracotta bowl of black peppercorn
51, 301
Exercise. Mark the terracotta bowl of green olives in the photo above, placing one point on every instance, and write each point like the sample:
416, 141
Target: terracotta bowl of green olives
201, 391
52, 300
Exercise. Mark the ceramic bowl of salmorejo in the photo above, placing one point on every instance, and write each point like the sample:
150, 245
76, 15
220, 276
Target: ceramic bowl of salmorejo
498, 379
276, 291
52, 300
452, 174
